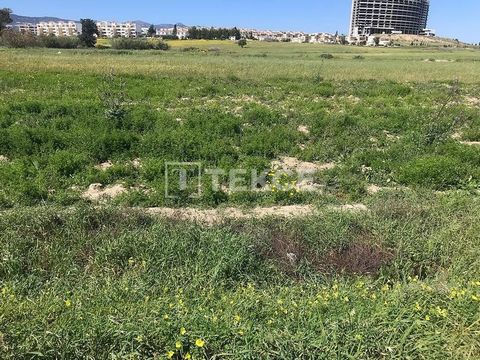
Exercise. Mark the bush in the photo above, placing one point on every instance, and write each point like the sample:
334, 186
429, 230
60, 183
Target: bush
436, 172
14, 39
326, 56
61, 42
139, 44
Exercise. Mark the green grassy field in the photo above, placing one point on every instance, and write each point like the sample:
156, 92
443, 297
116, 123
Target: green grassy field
395, 130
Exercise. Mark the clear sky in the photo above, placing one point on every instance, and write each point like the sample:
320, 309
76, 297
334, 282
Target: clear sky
452, 18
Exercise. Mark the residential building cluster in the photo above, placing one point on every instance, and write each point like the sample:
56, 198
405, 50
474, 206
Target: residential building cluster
57, 28
182, 31
106, 29
290, 36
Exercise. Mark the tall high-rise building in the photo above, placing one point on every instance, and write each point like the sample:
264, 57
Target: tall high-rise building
389, 16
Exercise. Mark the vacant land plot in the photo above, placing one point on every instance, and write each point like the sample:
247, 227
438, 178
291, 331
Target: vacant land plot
375, 256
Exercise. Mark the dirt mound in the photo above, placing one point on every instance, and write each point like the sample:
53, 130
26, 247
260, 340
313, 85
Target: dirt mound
104, 166
96, 192
407, 40
304, 129
216, 216
291, 164
472, 101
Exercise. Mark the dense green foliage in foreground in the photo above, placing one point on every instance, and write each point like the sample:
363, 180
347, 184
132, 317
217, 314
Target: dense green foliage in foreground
401, 280
109, 284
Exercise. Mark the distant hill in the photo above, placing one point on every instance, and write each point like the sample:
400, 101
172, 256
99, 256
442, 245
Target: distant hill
37, 19
34, 20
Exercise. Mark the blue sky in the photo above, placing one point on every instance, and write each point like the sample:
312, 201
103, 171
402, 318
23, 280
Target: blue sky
453, 18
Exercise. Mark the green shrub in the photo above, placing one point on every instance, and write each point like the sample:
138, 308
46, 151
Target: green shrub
139, 44
326, 56
436, 172
60, 42
15, 39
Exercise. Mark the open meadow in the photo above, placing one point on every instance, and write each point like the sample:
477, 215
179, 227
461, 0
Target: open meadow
377, 256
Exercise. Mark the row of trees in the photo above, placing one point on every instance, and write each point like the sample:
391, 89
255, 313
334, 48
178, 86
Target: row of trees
213, 34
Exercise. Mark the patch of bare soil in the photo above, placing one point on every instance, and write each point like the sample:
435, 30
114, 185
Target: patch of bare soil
136, 163
375, 189
96, 192
104, 166
472, 101
458, 136
470, 143
357, 258
360, 256
3, 158
216, 216
304, 129
291, 164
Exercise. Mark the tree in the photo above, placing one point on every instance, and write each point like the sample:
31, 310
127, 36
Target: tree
5, 18
151, 31
242, 43
175, 31
89, 34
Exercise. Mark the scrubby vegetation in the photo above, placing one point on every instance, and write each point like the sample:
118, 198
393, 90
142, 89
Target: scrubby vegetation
387, 129
14, 39
139, 44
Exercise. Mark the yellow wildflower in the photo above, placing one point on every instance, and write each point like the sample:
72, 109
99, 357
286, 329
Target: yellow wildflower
170, 354
183, 331
178, 345
68, 303
187, 356
199, 343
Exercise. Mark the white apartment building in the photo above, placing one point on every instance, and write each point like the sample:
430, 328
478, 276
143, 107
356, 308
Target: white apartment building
25, 28
59, 28
108, 29
182, 32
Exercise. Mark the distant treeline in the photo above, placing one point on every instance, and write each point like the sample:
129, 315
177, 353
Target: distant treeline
213, 34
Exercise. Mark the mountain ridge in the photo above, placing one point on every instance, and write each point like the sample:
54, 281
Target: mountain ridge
37, 19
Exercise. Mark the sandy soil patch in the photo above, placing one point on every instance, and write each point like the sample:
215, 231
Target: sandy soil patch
304, 129
3, 158
96, 192
136, 163
375, 189
470, 143
215, 216
104, 166
458, 136
291, 164
472, 101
